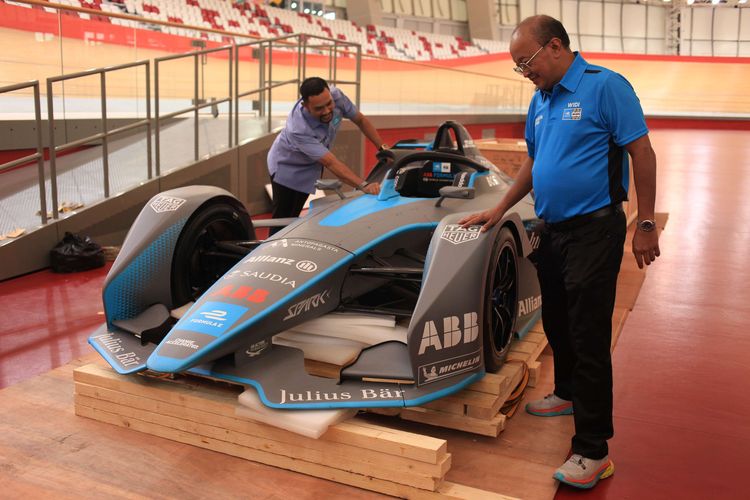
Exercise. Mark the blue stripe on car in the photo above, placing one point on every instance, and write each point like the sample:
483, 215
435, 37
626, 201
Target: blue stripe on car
362, 206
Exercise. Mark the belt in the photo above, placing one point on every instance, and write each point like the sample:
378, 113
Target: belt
581, 220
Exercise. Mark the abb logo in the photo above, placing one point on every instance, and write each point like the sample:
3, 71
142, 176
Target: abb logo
256, 295
452, 334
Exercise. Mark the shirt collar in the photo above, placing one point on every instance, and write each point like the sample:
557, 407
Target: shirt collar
573, 75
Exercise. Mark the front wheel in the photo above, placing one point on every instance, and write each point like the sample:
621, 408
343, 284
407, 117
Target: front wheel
501, 302
198, 261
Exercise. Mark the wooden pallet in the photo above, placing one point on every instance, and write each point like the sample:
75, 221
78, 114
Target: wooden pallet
476, 409
202, 413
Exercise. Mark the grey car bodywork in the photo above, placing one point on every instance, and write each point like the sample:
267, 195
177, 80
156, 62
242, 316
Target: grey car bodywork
345, 255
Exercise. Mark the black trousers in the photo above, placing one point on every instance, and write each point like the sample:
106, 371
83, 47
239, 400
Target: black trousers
577, 271
287, 202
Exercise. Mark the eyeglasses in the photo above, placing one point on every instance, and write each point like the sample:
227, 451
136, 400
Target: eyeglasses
520, 68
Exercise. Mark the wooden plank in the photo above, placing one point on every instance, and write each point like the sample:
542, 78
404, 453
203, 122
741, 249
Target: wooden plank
626, 295
534, 369
465, 423
263, 451
321, 369
312, 469
214, 399
618, 321
468, 402
255, 434
491, 383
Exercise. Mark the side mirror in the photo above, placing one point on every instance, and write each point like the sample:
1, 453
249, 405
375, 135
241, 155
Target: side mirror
460, 193
330, 185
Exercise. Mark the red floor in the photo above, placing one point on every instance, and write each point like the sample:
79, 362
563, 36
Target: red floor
681, 371
681, 365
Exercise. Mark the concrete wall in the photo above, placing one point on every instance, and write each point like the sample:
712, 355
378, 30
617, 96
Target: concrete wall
483, 20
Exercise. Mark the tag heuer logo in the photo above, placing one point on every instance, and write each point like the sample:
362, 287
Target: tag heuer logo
166, 204
457, 234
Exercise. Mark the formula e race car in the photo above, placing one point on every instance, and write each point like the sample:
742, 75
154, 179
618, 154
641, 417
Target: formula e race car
457, 295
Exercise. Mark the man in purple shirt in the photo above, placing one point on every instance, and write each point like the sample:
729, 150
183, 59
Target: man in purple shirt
302, 149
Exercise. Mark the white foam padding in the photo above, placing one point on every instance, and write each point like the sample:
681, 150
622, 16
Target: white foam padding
310, 423
180, 311
363, 328
338, 338
319, 348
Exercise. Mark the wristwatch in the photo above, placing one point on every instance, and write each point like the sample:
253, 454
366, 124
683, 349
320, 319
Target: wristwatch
383, 147
362, 185
646, 225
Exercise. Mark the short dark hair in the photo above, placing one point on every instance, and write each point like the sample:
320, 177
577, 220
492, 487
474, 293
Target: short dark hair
546, 28
312, 86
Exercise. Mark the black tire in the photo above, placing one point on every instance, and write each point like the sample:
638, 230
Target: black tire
193, 272
501, 306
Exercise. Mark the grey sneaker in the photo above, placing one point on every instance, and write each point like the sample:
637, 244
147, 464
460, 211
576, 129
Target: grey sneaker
582, 472
550, 406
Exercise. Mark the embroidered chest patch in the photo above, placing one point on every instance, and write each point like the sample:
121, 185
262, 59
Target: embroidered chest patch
571, 114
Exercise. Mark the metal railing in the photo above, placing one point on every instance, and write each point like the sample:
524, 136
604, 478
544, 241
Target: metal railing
105, 134
197, 104
299, 42
267, 92
39, 155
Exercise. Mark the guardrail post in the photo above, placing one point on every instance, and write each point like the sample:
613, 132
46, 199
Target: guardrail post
262, 79
195, 103
231, 97
270, 82
40, 154
105, 140
236, 98
149, 166
157, 139
52, 163
358, 76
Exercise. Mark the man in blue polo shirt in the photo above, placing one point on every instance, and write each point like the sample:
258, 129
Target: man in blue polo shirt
582, 124
302, 149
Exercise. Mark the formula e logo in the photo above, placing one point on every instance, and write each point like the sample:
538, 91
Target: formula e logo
452, 335
166, 204
256, 295
213, 318
309, 303
215, 315
456, 234
307, 266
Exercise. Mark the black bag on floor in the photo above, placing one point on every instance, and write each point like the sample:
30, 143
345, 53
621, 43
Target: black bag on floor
76, 253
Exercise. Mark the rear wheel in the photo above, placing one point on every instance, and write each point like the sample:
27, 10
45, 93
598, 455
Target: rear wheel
501, 301
198, 261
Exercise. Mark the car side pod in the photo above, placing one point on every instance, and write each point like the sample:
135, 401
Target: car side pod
445, 334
